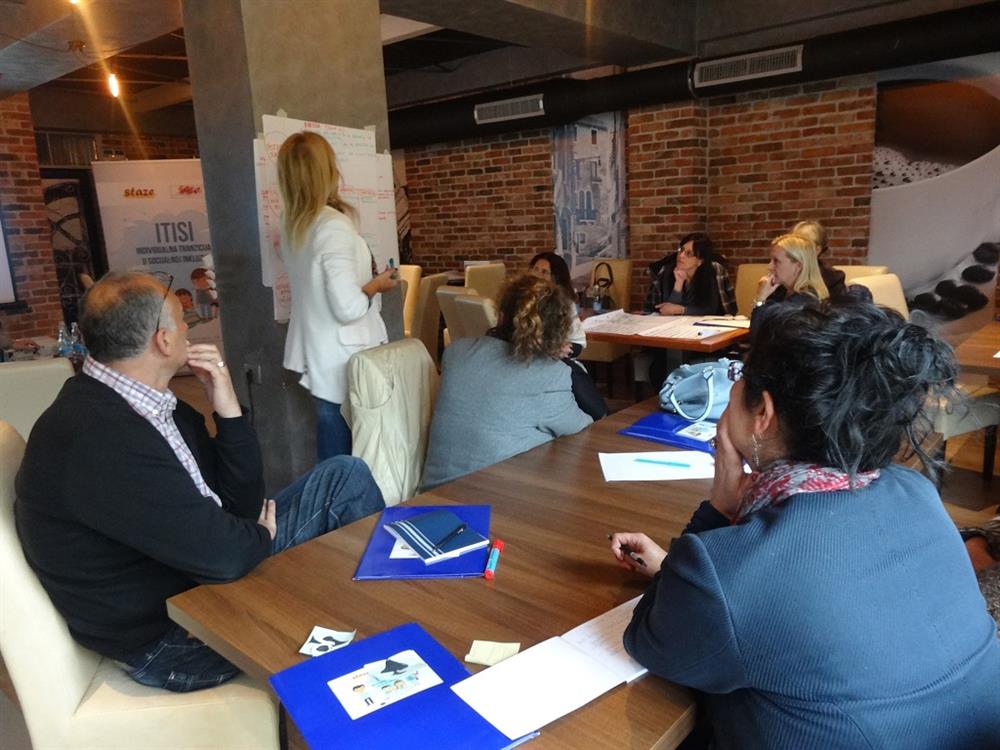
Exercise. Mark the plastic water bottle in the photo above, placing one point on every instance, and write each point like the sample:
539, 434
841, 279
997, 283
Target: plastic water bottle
64, 345
79, 351
598, 306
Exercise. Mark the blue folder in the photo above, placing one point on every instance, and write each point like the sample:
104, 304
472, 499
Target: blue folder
434, 718
375, 563
662, 427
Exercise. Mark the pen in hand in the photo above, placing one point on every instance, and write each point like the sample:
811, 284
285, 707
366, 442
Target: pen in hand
630, 554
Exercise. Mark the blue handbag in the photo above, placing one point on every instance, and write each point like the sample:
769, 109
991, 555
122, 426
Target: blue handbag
697, 392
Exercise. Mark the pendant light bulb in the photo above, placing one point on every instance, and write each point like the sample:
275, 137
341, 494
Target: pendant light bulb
113, 85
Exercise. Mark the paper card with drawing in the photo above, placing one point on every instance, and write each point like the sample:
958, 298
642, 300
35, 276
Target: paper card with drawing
381, 683
323, 640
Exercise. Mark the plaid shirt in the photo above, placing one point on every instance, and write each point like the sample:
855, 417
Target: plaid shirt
157, 408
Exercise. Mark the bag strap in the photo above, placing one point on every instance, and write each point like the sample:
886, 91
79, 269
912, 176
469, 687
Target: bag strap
609, 280
708, 373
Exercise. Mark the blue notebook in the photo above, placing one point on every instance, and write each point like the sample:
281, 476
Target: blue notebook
434, 718
375, 563
662, 427
436, 535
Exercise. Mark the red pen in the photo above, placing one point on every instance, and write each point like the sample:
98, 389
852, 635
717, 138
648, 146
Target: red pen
494, 558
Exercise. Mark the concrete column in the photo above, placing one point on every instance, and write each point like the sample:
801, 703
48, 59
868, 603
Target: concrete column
318, 60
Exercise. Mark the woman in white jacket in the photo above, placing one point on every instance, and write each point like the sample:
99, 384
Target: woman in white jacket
335, 292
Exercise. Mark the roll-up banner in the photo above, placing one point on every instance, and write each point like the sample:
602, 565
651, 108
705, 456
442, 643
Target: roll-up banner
154, 219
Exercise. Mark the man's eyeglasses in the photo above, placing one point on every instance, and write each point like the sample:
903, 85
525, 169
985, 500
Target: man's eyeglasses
166, 294
735, 371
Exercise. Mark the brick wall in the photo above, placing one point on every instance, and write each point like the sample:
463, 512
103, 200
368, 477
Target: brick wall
743, 168
779, 156
144, 146
481, 199
28, 234
667, 163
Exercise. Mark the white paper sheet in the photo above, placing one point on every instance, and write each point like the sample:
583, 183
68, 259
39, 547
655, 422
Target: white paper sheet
668, 327
602, 639
996, 356
536, 687
726, 321
620, 321
655, 466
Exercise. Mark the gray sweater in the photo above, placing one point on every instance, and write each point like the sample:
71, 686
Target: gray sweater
492, 406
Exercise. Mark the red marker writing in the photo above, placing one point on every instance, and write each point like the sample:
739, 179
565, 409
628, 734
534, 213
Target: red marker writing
494, 558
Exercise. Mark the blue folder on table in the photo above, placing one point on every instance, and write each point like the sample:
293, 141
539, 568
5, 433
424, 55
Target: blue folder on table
376, 564
435, 718
662, 427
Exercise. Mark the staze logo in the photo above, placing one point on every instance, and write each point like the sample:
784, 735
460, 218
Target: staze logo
135, 192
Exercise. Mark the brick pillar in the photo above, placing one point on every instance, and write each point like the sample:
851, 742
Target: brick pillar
29, 237
667, 157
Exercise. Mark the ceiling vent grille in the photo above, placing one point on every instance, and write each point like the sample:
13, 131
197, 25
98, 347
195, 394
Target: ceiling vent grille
510, 109
771, 62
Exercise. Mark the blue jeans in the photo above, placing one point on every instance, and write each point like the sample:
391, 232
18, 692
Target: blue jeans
333, 436
336, 492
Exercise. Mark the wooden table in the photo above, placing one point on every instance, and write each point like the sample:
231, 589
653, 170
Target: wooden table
725, 338
552, 508
975, 354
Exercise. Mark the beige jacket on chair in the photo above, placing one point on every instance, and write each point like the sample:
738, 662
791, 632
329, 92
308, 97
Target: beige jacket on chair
391, 392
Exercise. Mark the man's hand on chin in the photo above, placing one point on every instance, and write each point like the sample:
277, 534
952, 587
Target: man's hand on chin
208, 366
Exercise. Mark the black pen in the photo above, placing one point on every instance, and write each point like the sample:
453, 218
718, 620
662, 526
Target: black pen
449, 536
627, 551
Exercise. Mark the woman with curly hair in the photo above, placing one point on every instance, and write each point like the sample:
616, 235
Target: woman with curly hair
506, 392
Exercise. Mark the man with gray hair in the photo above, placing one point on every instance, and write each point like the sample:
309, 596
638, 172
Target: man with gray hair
123, 499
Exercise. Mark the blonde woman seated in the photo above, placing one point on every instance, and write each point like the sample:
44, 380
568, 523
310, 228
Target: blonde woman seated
506, 392
834, 279
793, 274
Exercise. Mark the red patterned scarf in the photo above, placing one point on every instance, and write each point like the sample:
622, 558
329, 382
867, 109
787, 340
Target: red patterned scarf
781, 479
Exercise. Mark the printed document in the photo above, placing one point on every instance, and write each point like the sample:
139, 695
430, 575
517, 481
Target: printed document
525, 692
653, 466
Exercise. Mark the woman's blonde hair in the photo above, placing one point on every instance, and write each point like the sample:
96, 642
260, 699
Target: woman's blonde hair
534, 317
308, 179
803, 251
813, 230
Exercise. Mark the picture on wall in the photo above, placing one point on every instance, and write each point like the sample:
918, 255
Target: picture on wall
7, 295
588, 172
935, 215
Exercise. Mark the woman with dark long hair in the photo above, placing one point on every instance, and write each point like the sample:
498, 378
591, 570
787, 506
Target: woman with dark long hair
691, 281
824, 600
552, 267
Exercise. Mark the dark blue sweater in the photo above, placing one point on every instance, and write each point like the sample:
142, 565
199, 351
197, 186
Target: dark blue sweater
835, 620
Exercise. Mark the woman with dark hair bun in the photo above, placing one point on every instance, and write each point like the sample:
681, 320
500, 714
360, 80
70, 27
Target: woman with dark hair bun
824, 600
